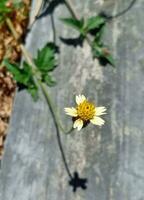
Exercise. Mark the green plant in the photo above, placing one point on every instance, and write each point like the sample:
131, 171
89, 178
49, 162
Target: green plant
45, 63
92, 29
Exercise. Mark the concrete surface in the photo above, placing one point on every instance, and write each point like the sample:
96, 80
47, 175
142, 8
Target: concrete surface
111, 158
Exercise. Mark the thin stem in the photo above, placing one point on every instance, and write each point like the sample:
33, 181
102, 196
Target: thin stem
70, 7
52, 108
45, 93
53, 27
27, 56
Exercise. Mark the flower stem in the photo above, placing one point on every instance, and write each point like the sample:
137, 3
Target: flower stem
70, 7
36, 77
52, 108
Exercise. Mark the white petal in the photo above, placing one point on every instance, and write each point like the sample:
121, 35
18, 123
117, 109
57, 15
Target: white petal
78, 124
97, 121
71, 111
80, 99
100, 111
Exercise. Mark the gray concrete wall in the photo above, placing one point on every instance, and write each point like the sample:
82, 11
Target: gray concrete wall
111, 158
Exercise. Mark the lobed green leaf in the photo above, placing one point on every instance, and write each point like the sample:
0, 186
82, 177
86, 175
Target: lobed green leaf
48, 80
77, 24
23, 77
103, 54
94, 22
45, 60
110, 60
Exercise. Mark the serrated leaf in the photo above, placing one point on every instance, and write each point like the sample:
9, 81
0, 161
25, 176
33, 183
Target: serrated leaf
77, 24
96, 50
27, 73
98, 35
48, 80
110, 60
102, 54
33, 92
17, 74
45, 60
106, 55
94, 22
24, 77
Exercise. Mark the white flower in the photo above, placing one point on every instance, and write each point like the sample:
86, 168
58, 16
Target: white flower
85, 111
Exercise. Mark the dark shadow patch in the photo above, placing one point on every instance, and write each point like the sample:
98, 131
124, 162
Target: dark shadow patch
49, 7
77, 182
94, 31
103, 61
73, 41
21, 87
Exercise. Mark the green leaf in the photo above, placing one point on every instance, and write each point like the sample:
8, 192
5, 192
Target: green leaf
3, 8
98, 35
46, 60
27, 74
96, 50
18, 4
94, 22
77, 24
48, 80
103, 54
23, 77
110, 60
33, 90
16, 72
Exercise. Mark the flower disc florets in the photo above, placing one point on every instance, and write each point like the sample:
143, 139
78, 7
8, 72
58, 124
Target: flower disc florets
86, 110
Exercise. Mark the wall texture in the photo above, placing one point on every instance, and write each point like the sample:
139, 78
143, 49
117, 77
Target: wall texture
111, 158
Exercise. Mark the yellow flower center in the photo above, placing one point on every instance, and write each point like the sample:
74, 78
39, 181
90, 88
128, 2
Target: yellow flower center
86, 110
